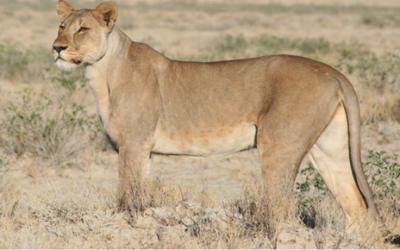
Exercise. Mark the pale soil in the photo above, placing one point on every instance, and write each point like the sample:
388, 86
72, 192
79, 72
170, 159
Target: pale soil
175, 32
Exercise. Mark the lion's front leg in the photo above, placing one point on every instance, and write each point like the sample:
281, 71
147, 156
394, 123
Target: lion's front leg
132, 160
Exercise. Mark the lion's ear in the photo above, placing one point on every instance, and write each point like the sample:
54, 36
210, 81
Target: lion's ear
107, 14
64, 10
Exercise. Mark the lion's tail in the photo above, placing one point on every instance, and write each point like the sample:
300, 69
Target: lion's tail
351, 105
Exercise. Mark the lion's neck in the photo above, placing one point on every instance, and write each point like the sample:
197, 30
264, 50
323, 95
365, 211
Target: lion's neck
118, 45
98, 73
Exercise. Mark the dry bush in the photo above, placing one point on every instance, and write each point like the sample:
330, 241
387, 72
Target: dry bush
9, 189
155, 193
260, 215
253, 220
48, 220
85, 216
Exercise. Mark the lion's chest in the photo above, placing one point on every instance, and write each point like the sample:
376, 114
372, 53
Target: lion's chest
205, 142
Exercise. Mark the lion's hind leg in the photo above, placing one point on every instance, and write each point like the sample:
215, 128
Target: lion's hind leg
283, 140
330, 157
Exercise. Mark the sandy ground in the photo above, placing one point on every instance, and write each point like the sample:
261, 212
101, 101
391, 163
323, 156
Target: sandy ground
177, 29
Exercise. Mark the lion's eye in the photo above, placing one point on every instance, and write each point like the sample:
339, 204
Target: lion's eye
62, 28
82, 29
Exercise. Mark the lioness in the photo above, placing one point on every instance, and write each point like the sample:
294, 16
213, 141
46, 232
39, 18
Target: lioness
285, 106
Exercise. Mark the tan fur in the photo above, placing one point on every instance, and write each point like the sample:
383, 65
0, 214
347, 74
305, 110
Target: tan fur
286, 106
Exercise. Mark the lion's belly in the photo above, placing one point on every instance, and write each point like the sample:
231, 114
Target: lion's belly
217, 141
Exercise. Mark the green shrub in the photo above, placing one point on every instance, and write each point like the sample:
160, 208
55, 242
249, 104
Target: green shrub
380, 72
33, 65
383, 174
312, 179
69, 80
232, 43
238, 47
271, 45
378, 76
308, 194
312, 45
48, 128
51, 126
17, 64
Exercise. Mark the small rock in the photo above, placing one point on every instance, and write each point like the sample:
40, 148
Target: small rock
188, 208
301, 238
164, 215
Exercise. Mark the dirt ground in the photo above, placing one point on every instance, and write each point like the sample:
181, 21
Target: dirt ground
180, 29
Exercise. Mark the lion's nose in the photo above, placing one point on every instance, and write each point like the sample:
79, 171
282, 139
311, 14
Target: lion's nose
59, 48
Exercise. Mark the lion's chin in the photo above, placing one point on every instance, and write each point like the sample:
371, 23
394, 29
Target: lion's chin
64, 65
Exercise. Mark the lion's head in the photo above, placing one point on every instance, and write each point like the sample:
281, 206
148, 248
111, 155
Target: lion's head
82, 36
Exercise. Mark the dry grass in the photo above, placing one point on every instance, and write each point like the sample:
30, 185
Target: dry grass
85, 216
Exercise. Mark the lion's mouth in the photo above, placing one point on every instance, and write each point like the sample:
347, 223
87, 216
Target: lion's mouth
74, 61
58, 58
77, 61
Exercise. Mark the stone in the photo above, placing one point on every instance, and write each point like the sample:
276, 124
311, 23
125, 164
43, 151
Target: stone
302, 238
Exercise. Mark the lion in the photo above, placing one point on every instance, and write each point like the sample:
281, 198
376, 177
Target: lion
285, 106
